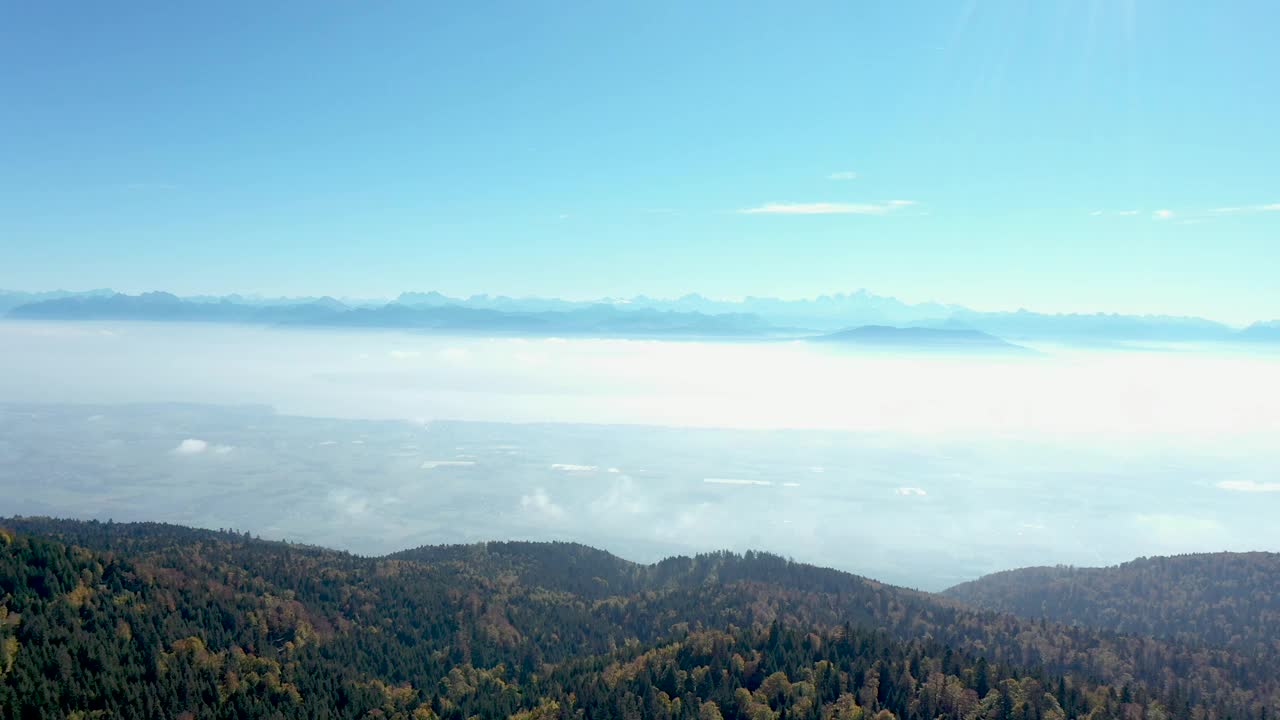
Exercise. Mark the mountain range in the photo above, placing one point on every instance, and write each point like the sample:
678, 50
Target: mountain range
691, 316
149, 620
604, 320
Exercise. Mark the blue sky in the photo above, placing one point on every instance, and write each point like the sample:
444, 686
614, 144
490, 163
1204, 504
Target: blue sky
1062, 156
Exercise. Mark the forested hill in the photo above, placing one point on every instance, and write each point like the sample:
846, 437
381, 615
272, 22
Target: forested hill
1227, 600
146, 620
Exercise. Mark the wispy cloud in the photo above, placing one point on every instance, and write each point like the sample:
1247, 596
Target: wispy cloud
1269, 207
734, 481
623, 496
349, 502
843, 175
1169, 214
195, 446
433, 464
191, 446
539, 504
828, 208
1250, 486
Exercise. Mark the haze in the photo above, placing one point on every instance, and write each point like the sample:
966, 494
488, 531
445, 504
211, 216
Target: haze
920, 468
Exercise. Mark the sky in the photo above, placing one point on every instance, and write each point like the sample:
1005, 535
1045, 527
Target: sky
1057, 155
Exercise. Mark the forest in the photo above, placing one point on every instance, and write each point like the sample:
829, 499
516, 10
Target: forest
160, 621
1229, 600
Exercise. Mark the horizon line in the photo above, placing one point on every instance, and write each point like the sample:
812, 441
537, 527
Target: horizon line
948, 307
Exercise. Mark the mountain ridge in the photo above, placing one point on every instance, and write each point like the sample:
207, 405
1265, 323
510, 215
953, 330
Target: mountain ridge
1228, 600
822, 314
328, 312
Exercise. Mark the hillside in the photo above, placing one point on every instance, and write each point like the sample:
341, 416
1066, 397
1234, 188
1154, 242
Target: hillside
147, 620
1229, 600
